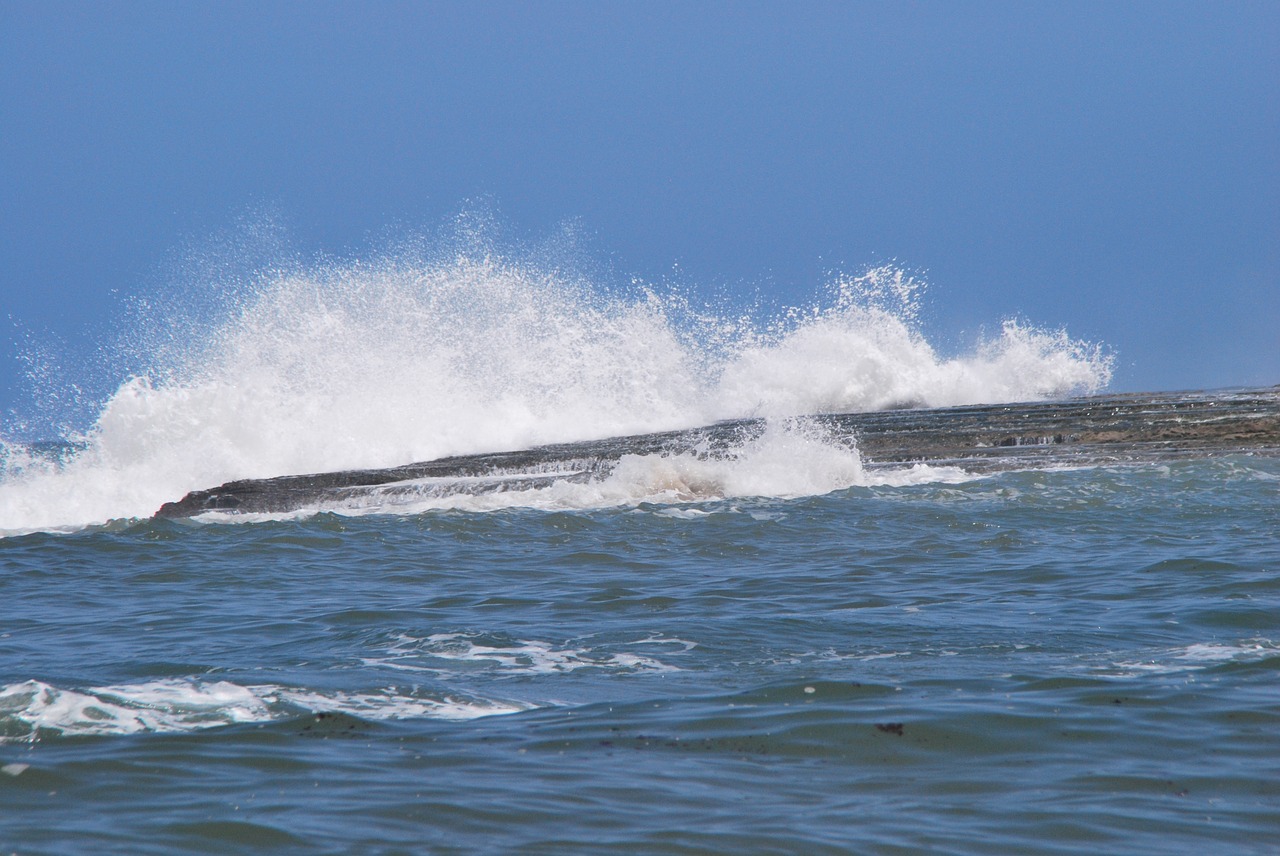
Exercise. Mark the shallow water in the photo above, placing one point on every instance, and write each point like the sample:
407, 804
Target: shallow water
1065, 660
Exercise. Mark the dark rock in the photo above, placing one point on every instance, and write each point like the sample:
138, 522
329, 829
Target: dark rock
982, 438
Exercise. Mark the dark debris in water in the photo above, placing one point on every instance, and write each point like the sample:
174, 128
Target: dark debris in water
332, 725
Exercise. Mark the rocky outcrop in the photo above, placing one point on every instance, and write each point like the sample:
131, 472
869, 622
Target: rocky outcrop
983, 438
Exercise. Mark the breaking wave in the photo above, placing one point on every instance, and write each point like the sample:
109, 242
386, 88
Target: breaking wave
415, 355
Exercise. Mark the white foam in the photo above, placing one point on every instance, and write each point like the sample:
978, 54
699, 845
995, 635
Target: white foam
406, 358
187, 704
1194, 657
447, 653
790, 459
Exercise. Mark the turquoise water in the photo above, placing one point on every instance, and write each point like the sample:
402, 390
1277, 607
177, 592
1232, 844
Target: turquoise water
1062, 661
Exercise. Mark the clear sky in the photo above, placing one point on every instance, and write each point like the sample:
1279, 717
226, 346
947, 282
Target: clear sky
1110, 167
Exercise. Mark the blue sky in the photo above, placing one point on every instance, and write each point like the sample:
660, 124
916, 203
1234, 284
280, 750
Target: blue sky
1110, 167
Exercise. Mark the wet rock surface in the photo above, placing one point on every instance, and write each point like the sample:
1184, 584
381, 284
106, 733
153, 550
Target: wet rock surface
1104, 429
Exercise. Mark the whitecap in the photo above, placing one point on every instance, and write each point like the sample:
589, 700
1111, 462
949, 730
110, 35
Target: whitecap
187, 704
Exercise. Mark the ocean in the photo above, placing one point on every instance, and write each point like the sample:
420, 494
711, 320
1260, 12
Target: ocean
779, 638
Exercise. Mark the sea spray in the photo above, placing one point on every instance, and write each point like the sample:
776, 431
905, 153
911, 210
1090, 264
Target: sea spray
864, 350
412, 356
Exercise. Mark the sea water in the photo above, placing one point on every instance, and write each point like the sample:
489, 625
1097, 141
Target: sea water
781, 650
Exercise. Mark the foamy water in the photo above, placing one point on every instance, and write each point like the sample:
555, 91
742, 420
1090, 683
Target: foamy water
187, 704
789, 459
385, 362
455, 653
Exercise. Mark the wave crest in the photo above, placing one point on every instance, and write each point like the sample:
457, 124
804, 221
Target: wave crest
377, 363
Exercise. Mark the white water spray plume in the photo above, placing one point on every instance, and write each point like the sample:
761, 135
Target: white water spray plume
406, 358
